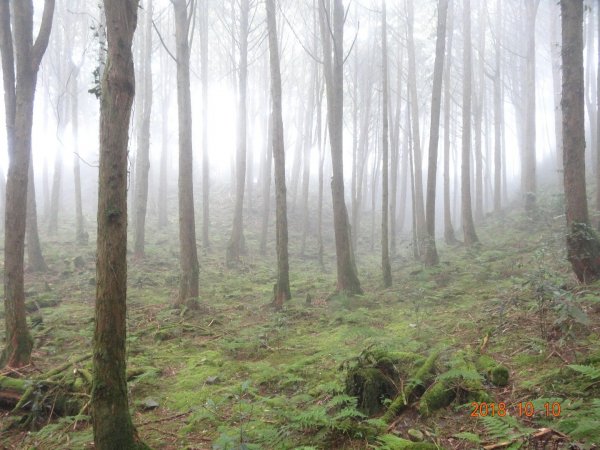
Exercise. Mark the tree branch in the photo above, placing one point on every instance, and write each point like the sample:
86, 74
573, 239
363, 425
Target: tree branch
41, 42
163, 43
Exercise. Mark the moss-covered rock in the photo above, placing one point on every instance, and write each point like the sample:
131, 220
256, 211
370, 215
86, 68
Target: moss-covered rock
496, 373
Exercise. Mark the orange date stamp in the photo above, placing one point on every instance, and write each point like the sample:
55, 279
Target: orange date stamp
521, 409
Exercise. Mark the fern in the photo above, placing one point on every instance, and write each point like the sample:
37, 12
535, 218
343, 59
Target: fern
504, 428
593, 373
467, 436
457, 373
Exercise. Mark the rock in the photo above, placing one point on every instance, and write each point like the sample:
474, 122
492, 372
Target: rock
149, 403
415, 435
213, 380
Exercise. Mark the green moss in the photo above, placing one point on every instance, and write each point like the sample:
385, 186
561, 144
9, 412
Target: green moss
371, 387
439, 395
496, 373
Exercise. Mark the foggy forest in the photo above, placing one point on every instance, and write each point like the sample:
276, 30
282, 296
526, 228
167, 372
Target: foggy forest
300, 224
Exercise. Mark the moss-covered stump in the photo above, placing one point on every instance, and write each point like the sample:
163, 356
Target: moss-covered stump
497, 374
371, 387
422, 376
374, 375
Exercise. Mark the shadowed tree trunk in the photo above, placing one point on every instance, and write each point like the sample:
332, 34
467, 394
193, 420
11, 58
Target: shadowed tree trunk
142, 160
282, 287
111, 421
347, 277
385, 247
35, 258
470, 236
235, 246
188, 253
430, 256
19, 92
583, 247
449, 236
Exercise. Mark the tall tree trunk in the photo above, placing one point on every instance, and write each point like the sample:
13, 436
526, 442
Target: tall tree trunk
235, 246
308, 142
498, 107
35, 258
282, 288
205, 159
55, 193
449, 236
597, 149
470, 236
556, 86
19, 94
188, 253
81, 236
143, 139
583, 247
528, 170
385, 247
347, 276
430, 256
395, 160
416, 145
111, 421
266, 194
478, 101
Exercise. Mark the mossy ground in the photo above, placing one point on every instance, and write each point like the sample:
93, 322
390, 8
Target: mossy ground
234, 373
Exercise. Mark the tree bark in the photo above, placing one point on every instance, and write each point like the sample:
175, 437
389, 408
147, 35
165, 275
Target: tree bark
188, 253
449, 236
347, 277
35, 257
81, 236
111, 421
142, 160
430, 256
498, 116
19, 98
282, 288
235, 246
583, 247
205, 159
385, 246
470, 237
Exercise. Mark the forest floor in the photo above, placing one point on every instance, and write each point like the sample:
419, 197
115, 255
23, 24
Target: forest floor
235, 374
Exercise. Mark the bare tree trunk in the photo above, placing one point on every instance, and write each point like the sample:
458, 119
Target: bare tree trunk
590, 89
430, 256
395, 160
385, 247
55, 194
188, 253
321, 140
266, 194
143, 139
417, 158
528, 170
470, 236
449, 236
556, 87
111, 421
498, 117
35, 258
583, 247
81, 236
205, 159
236, 245
163, 171
347, 277
478, 113
282, 287
19, 94
308, 142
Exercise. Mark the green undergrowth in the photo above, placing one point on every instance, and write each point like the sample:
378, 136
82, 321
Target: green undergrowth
232, 373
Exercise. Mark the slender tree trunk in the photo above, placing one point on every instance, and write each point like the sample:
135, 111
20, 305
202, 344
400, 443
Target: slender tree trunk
395, 160
81, 236
597, 149
188, 253
268, 169
205, 158
498, 106
583, 247
35, 257
478, 116
416, 145
385, 247
55, 194
430, 256
556, 86
347, 277
19, 94
528, 170
308, 142
143, 138
163, 171
111, 421
282, 288
321, 141
236, 245
470, 236
449, 236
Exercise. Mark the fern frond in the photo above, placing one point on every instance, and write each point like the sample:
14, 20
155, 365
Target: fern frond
593, 373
